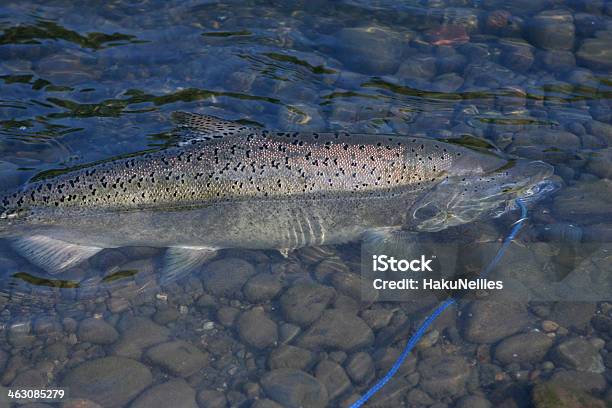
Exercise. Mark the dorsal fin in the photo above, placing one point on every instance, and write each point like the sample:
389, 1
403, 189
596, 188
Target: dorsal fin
195, 127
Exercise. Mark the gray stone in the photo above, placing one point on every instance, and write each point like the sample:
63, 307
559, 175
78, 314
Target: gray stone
262, 287
266, 403
178, 357
447, 83
553, 30
488, 322
287, 332
579, 354
346, 304
5, 401
333, 377
377, 318
384, 358
337, 330
600, 163
225, 277
360, 367
138, 333
546, 137
211, 399
588, 200
449, 61
294, 389
553, 395
97, 331
523, 348
46, 326
167, 315
370, 50
79, 403
256, 329
443, 376
517, 54
589, 282
575, 315
391, 394
32, 378
473, 401
417, 397
601, 130
303, 303
557, 60
595, 53
290, 357
227, 315
417, 67
109, 381
580, 380
19, 334
173, 393
350, 284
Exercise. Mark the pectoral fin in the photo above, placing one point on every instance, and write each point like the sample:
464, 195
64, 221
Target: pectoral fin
194, 127
52, 255
179, 261
389, 240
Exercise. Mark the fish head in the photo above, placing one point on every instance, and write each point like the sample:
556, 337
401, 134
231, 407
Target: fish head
460, 199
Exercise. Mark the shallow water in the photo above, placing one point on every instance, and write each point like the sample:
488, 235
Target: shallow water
95, 81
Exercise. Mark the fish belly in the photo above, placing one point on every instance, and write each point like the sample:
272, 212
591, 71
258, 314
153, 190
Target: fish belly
257, 224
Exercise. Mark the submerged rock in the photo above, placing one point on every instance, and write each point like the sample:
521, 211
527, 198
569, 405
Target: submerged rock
580, 380
333, 377
108, 381
370, 50
256, 329
337, 330
595, 53
173, 393
585, 201
262, 287
294, 389
553, 30
303, 303
290, 357
488, 322
360, 367
589, 282
225, 277
97, 331
523, 348
553, 395
579, 354
600, 163
473, 401
443, 376
178, 357
211, 399
138, 333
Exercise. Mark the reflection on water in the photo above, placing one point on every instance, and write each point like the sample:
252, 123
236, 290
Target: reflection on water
87, 84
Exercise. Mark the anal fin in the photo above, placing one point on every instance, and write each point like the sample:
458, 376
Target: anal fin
179, 261
52, 255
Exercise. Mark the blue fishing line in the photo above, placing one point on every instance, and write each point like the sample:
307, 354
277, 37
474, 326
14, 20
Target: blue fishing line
442, 307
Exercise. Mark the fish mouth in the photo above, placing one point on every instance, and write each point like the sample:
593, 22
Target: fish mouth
460, 200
